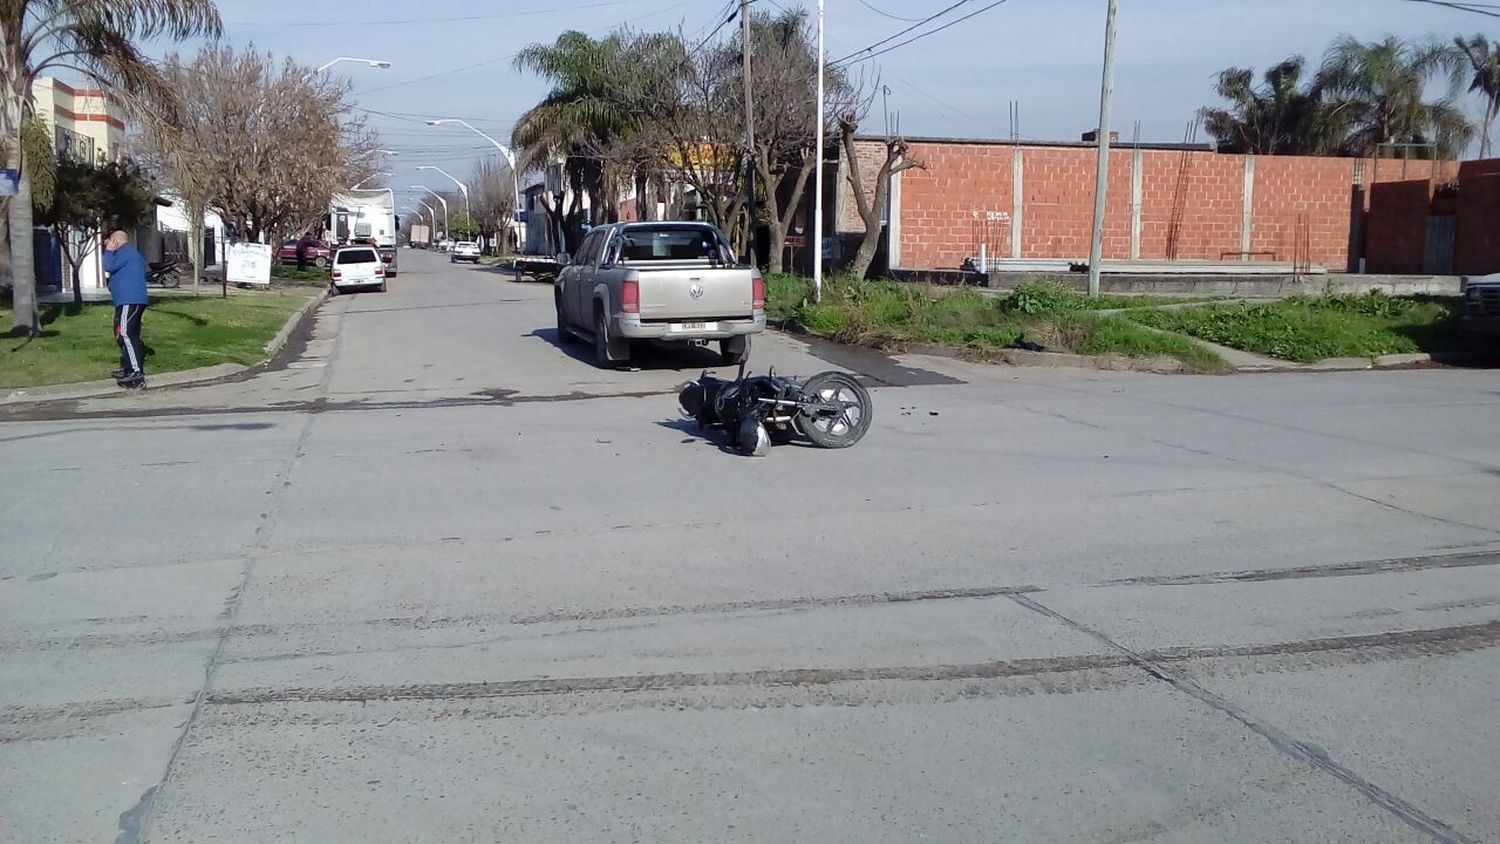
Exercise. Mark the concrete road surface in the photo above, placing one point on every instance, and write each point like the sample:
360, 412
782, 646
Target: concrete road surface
438, 579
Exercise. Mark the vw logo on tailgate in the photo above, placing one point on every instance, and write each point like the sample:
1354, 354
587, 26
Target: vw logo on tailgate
696, 291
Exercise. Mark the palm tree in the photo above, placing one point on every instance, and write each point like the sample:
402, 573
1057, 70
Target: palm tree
1482, 58
1280, 117
1378, 88
582, 114
98, 39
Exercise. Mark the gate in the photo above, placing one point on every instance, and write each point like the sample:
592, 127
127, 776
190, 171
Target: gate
1437, 258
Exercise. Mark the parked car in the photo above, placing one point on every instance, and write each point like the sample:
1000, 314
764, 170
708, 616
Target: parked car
444, 245
464, 250
1481, 318
318, 252
357, 266
670, 282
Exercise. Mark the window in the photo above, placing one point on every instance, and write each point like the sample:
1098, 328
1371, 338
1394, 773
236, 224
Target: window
671, 244
589, 250
356, 256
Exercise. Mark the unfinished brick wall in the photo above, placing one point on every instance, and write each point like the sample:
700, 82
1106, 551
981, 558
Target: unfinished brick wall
1192, 204
1477, 241
1396, 231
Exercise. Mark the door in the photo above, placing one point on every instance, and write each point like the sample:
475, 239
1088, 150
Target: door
580, 284
1438, 256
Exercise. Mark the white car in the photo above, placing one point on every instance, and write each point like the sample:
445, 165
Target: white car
358, 266
444, 245
464, 250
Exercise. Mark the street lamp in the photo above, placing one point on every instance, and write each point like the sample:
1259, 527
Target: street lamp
388, 152
376, 176
375, 63
463, 188
440, 198
510, 157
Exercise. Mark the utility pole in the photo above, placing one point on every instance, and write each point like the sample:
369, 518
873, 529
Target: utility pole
749, 135
1101, 184
817, 243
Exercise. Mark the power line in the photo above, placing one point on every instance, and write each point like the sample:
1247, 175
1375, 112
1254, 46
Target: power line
891, 38
1472, 8
884, 14
919, 36
346, 22
451, 71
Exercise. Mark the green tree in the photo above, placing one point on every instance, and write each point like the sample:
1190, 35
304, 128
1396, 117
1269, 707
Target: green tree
99, 39
463, 228
1479, 59
1378, 91
90, 200
1282, 116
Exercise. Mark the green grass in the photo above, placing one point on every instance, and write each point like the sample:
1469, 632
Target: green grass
1313, 328
289, 272
1052, 315
180, 332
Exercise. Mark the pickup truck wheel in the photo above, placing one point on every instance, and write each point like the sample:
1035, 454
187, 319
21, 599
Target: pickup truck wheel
735, 350
564, 331
608, 351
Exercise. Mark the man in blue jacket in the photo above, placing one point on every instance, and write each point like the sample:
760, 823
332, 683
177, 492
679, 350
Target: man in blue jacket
127, 289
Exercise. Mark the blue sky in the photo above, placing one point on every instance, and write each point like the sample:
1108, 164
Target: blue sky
451, 57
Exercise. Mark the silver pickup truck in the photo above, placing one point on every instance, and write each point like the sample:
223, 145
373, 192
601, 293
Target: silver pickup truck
669, 282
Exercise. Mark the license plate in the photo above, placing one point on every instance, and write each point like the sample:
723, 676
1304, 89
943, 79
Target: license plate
695, 326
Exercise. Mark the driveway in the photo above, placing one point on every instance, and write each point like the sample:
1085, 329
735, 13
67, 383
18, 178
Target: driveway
436, 578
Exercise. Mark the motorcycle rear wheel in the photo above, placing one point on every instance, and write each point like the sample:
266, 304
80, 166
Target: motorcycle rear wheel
853, 420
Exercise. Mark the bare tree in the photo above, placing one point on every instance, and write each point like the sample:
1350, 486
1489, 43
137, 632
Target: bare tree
871, 206
492, 198
783, 75
265, 144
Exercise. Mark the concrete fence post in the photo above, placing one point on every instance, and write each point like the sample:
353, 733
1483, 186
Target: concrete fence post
1247, 211
1135, 204
1017, 200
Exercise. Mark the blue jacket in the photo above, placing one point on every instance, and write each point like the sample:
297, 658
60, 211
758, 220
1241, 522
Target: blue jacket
127, 276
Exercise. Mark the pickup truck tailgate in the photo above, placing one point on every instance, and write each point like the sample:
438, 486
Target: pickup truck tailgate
689, 292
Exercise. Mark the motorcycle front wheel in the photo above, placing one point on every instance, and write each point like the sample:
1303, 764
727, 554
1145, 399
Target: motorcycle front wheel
172, 279
848, 412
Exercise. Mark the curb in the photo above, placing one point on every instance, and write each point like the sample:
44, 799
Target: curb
1015, 357
178, 378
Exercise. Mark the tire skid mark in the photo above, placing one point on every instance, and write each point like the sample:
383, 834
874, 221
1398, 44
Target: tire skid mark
766, 689
1383, 646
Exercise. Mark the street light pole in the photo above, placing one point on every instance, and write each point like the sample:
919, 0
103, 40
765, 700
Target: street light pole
1101, 182
376, 176
463, 188
510, 156
440, 198
375, 63
817, 245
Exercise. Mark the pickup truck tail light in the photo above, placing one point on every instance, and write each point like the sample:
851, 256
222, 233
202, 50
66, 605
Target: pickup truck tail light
630, 296
757, 291
337, 274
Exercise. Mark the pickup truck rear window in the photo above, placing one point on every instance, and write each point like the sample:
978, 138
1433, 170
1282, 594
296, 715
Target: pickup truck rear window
669, 245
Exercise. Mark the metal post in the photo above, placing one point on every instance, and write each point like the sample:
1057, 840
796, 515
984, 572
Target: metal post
749, 135
1101, 183
817, 244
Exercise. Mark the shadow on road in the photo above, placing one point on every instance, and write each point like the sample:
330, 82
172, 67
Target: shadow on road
643, 356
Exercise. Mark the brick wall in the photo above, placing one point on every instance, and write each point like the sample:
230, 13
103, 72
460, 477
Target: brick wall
1192, 204
1477, 241
1396, 231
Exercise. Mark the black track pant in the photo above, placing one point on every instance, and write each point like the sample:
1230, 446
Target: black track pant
128, 335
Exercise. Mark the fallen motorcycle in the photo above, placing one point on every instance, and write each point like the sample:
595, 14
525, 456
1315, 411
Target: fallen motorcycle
830, 409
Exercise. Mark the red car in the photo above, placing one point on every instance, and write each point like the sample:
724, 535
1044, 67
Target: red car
318, 252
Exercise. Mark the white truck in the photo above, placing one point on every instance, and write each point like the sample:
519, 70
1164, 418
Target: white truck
420, 237
365, 217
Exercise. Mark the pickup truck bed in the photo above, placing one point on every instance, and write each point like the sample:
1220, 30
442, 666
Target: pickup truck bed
673, 282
